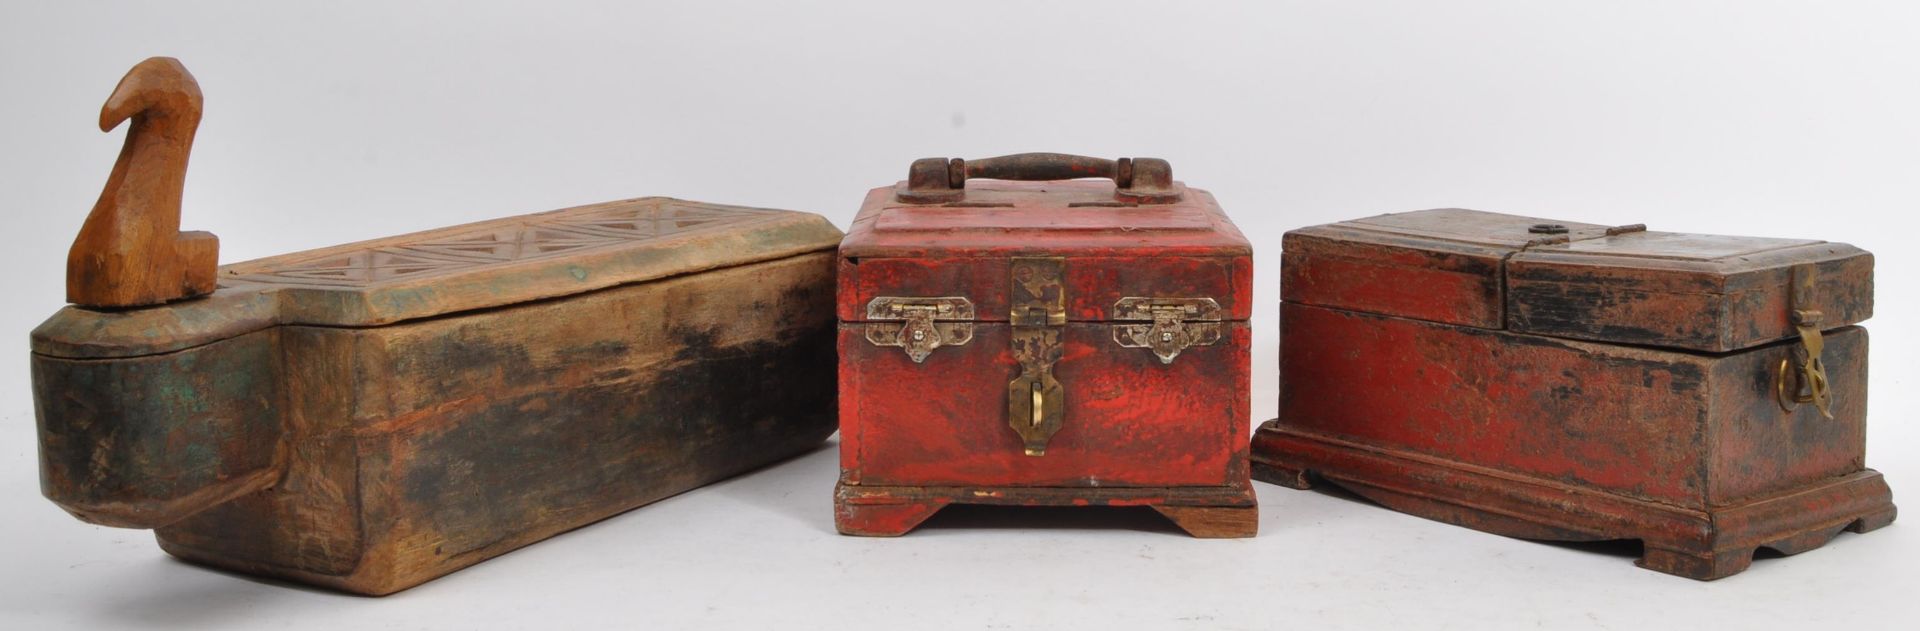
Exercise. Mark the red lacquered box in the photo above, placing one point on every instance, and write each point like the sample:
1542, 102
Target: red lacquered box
1044, 343
1704, 394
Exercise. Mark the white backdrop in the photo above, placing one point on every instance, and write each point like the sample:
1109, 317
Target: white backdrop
345, 121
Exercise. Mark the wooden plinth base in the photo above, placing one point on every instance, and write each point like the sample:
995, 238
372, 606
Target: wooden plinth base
1704, 545
890, 511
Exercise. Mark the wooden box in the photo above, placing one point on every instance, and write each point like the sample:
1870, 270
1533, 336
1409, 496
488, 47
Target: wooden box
371, 416
1043, 343
1703, 394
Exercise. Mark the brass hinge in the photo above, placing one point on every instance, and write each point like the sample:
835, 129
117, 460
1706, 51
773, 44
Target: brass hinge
1036, 402
1177, 324
1802, 376
930, 323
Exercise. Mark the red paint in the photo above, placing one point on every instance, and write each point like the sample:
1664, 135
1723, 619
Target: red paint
1087, 230
1093, 282
1634, 421
1573, 382
918, 436
1384, 286
1131, 421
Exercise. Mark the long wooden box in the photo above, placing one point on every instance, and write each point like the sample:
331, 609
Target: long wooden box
374, 415
1578, 382
1044, 343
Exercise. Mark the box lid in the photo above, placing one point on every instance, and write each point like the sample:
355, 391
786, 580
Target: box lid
1621, 284
1029, 204
957, 228
449, 270
1030, 218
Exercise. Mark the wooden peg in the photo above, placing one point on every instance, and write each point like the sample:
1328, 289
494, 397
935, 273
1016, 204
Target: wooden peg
131, 251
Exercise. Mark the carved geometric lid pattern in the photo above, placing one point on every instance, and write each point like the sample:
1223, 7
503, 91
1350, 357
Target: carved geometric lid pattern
485, 265
495, 243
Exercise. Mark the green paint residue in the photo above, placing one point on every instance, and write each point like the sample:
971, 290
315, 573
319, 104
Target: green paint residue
180, 390
200, 456
578, 272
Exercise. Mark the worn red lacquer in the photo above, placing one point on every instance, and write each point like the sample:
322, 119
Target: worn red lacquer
917, 436
1577, 382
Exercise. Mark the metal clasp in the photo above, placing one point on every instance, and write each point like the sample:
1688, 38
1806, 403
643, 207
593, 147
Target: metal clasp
1039, 296
1803, 367
1177, 324
1036, 402
1808, 374
930, 323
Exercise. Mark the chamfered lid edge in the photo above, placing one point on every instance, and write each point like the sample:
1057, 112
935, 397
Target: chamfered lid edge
449, 270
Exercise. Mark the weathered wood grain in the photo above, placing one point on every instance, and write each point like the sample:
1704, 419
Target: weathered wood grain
377, 414
1655, 425
1702, 292
370, 459
1572, 382
144, 442
425, 447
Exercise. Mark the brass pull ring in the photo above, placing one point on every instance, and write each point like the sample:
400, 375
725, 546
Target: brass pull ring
1809, 386
1781, 396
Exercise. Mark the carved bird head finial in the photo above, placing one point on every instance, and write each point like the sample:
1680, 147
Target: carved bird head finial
159, 86
131, 252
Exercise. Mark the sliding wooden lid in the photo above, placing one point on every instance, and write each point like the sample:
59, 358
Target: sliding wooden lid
1620, 284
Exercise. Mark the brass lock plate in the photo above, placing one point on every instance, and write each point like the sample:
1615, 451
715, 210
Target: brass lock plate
1036, 402
1176, 324
930, 323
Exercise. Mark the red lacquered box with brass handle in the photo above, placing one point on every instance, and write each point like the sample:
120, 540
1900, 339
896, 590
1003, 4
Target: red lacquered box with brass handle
1012, 332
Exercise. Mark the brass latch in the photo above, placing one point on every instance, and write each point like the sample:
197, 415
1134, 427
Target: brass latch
1177, 324
930, 323
1036, 402
1802, 377
1807, 374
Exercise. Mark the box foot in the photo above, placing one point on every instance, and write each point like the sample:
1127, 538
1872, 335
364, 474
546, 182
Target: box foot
1271, 465
1272, 472
1214, 522
1705, 567
1205, 512
1873, 521
1700, 543
882, 520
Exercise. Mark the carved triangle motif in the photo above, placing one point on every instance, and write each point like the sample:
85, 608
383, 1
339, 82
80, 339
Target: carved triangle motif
563, 233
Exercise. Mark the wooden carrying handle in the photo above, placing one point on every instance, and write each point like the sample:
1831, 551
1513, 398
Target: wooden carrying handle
1142, 180
131, 252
